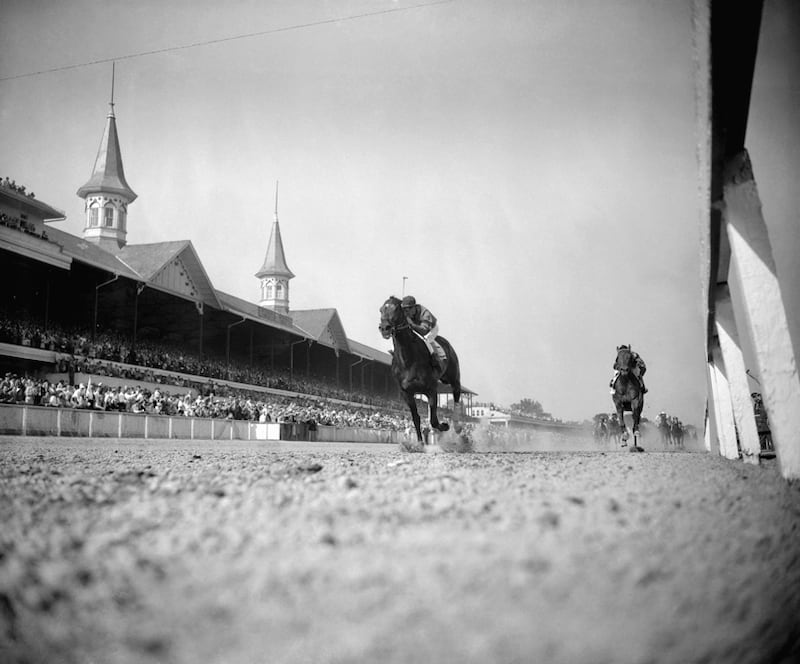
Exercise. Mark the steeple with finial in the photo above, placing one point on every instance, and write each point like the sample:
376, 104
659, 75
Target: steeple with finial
274, 273
107, 193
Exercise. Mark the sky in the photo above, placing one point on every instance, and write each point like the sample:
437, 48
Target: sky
526, 169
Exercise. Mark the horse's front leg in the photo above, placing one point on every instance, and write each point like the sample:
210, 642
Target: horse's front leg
432, 404
623, 428
412, 406
636, 414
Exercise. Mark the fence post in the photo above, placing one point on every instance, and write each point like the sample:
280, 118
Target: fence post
58, 422
24, 420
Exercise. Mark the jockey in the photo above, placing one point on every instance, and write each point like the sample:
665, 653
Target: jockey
638, 370
424, 323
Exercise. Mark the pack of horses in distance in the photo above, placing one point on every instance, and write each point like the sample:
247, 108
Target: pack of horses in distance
671, 431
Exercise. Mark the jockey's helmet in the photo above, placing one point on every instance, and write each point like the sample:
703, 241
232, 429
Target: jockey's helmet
625, 346
408, 302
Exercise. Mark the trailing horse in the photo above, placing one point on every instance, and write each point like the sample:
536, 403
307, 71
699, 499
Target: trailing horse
600, 431
614, 430
676, 432
628, 395
663, 424
414, 368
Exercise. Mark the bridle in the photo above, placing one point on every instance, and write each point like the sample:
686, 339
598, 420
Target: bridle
389, 327
626, 367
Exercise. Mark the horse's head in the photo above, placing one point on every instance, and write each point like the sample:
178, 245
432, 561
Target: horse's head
392, 317
624, 361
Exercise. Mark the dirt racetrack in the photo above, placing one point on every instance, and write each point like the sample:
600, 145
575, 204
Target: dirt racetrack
235, 553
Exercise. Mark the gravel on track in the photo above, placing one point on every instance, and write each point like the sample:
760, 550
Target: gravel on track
115, 551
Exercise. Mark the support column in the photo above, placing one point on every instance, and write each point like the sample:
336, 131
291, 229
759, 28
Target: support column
736, 372
723, 410
711, 439
756, 278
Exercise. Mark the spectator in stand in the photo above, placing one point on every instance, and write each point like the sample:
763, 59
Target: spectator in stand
101, 357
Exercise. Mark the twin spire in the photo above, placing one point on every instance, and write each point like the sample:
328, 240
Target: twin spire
107, 195
275, 273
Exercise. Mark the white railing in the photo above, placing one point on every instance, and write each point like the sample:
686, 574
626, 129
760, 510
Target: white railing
23, 420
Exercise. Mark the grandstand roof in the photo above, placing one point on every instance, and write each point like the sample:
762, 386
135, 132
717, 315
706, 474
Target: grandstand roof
240, 307
156, 264
90, 253
369, 353
147, 259
33, 206
324, 326
166, 264
108, 174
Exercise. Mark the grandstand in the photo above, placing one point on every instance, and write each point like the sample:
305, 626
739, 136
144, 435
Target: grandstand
96, 298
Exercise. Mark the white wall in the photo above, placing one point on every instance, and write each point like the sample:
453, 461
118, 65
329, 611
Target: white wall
773, 141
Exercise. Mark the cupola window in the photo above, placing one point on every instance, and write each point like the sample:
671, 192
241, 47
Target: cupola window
108, 216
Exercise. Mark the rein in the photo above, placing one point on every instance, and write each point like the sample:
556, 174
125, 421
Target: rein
402, 326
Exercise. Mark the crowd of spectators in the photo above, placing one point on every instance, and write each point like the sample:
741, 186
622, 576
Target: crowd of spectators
12, 184
19, 223
231, 404
189, 393
103, 354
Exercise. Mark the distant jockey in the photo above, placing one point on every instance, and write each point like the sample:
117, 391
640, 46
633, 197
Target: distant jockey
639, 368
424, 323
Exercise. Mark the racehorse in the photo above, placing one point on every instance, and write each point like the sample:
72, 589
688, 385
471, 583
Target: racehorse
663, 424
614, 429
676, 432
413, 368
628, 395
601, 429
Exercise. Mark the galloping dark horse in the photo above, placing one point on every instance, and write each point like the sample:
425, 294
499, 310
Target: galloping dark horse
628, 394
412, 366
663, 424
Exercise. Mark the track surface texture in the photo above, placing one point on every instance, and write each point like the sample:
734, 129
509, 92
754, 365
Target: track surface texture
181, 552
